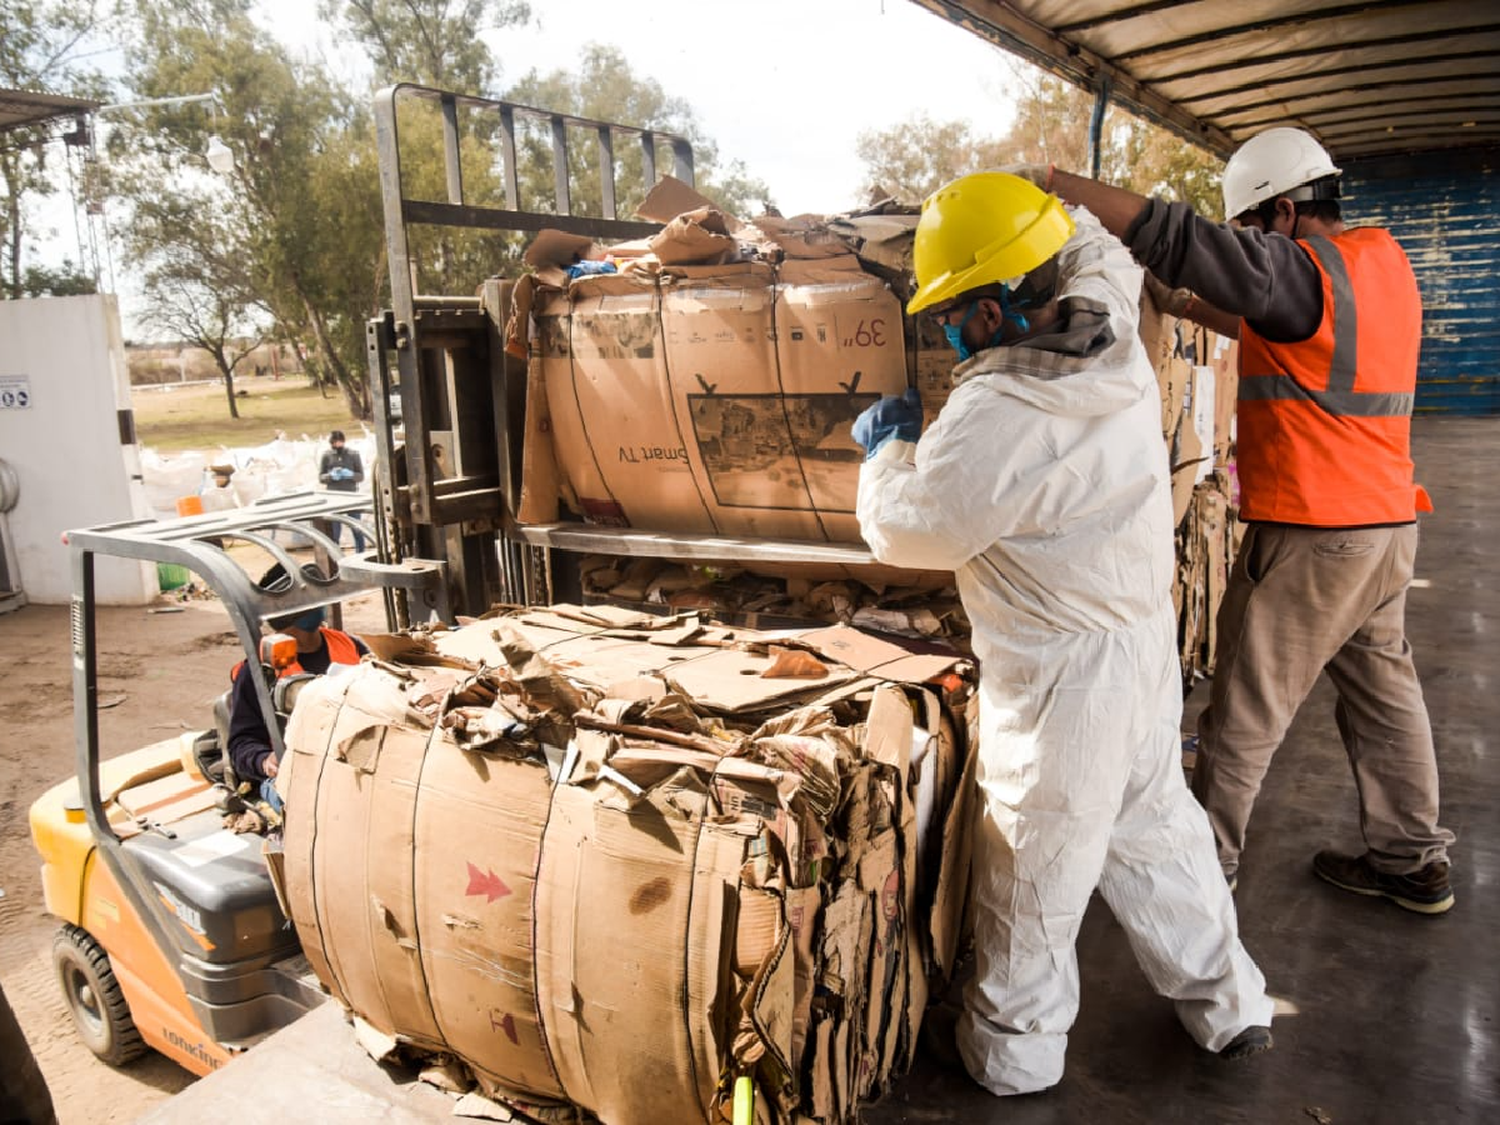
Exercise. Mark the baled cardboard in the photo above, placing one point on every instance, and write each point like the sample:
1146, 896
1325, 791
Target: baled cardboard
716, 399
837, 336
629, 921
762, 358
721, 353
626, 418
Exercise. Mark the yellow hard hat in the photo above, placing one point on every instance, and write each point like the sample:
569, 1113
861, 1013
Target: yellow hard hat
980, 229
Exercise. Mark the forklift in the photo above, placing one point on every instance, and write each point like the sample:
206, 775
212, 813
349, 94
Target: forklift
173, 932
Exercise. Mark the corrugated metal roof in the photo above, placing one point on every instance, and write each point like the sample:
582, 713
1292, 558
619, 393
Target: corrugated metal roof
1369, 79
19, 108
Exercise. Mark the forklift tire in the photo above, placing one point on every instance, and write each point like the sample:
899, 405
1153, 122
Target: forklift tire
99, 1009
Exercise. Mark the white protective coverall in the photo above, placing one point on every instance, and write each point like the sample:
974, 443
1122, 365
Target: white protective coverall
1044, 484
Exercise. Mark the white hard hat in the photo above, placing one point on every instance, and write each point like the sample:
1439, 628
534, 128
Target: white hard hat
1275, 163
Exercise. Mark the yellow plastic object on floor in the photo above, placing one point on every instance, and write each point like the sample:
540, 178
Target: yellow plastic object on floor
744, 1101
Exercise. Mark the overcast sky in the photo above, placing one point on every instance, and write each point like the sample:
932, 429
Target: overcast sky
785, 86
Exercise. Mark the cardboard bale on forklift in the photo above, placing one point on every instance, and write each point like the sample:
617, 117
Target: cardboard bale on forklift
618, 860
690, 393
717, 398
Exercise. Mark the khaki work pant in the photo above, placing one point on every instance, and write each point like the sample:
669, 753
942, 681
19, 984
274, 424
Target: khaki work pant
1301, 600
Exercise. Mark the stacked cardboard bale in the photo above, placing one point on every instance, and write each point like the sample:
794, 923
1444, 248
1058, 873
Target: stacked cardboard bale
615, 861
708, 385
708, 388
1197, 372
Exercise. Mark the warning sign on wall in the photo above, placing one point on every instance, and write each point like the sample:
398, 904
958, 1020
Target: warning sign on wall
15, 392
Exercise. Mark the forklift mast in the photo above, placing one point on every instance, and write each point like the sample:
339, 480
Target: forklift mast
450, 464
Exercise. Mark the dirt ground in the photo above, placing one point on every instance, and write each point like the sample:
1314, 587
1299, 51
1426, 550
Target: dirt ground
159, 673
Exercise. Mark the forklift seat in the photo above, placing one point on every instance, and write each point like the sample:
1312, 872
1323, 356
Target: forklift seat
208, 755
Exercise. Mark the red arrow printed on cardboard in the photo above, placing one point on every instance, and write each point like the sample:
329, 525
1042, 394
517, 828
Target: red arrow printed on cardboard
486, 883
507, 1025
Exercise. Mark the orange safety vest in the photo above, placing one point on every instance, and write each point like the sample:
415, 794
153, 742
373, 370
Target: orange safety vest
1324, 424
341, 650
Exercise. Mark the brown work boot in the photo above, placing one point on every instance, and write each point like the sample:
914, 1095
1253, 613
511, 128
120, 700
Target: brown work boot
1426, 891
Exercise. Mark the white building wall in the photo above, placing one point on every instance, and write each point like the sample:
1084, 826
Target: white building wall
64, 442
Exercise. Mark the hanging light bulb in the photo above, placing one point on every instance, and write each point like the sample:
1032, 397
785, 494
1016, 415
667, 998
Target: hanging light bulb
220, 156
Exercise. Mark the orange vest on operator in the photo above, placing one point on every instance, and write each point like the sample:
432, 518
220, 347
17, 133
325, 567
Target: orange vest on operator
1324, 424
341, 650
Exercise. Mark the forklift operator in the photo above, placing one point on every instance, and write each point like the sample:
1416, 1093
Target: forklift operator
318, 649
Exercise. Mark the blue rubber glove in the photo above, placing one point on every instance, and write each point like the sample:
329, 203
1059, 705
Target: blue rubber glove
889, 418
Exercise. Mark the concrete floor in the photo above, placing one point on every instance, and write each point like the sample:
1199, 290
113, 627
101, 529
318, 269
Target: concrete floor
1385, 1016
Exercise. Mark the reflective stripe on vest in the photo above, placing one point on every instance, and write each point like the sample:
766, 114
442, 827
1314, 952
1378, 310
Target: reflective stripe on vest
1325, 423
1340, 399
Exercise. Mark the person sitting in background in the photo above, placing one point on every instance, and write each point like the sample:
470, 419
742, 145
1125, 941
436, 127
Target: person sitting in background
318, 649
341, 470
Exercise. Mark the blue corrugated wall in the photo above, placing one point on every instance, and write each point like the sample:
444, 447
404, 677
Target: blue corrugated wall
1444, 209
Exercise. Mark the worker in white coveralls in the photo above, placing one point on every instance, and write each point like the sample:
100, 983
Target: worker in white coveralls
1043, 484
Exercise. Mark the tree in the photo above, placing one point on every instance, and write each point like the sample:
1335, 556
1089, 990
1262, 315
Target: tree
603, 87
42, 46
1051, 127
299, 213
65, 281
198, 283
430, 42
915, 158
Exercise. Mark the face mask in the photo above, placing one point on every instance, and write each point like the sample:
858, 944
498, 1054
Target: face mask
311, 619
954, 333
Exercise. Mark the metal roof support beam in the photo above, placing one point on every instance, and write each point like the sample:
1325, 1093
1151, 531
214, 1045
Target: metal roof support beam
1096, 127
